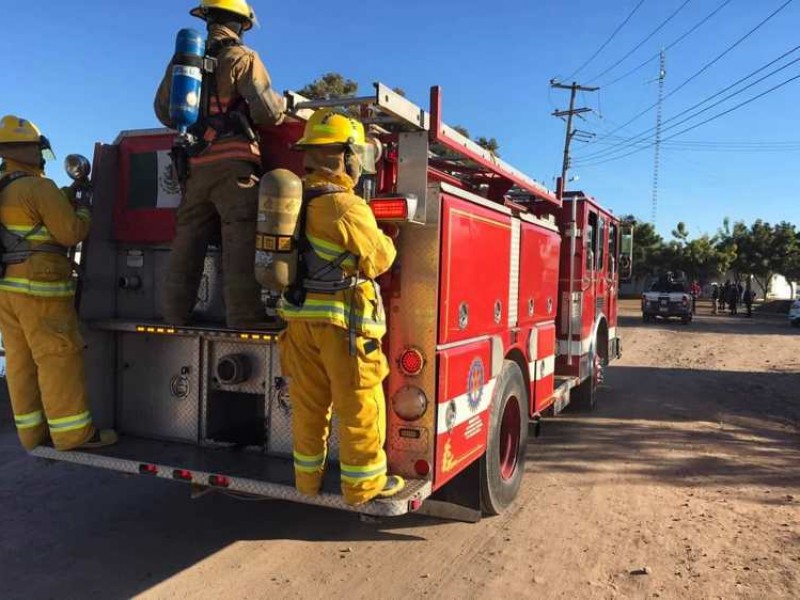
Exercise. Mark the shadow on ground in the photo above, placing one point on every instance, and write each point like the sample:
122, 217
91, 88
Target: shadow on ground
676, 426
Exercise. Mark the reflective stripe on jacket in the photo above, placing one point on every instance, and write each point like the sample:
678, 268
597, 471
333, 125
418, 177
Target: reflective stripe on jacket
340, 223
26, 203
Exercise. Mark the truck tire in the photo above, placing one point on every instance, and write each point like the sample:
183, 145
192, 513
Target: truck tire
503, 464
583, 398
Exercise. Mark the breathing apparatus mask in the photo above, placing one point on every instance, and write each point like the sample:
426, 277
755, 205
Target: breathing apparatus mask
362, 159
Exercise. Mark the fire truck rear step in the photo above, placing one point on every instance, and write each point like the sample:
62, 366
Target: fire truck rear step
229, 470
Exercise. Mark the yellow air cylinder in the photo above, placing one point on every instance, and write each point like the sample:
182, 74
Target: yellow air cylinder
279, 202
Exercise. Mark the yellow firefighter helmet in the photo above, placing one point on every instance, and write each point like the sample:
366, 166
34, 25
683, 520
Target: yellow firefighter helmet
237, 7
14, 130
328, 127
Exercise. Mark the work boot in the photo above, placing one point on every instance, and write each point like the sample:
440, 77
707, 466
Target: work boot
394, 485
100, 439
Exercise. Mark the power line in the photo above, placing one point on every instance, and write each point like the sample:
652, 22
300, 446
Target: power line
626, 141
671, 45
645, 40
693, 127
608, 41
708, 65
621, 146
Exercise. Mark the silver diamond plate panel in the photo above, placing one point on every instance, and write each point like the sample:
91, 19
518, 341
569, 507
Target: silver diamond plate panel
513, 276
416, 490
159, 386
279, 438
413, 318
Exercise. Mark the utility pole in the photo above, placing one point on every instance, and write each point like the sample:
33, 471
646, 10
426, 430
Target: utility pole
574, 89
662, 75
573, 229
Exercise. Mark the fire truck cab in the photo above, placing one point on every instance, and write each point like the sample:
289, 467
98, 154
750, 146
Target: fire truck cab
493, 321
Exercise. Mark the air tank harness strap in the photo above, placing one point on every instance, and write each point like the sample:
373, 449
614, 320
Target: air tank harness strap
14, 248
314, 282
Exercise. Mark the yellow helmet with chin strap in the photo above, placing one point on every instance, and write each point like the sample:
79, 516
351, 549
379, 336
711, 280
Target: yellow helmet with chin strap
329, 127
237, 7
14, 130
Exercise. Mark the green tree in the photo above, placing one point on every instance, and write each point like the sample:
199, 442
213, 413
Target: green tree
330, 85
489, 144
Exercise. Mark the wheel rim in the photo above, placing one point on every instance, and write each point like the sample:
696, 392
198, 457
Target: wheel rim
510, 439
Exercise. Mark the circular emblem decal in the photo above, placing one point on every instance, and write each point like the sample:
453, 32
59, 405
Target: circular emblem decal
475, 382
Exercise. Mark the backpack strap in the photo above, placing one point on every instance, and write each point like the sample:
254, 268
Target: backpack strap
7, 180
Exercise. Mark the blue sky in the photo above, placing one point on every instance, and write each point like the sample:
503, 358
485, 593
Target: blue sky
84, 71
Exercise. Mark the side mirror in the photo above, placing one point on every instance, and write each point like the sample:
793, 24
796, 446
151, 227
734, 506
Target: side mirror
626, 254
77, 167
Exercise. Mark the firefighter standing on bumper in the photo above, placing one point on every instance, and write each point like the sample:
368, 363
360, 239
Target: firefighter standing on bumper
223, 169
44, 347
331, 349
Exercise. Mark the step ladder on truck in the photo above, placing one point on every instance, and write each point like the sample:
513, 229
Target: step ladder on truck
479, 308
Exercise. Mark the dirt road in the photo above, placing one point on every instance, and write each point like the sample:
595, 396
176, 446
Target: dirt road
688, 475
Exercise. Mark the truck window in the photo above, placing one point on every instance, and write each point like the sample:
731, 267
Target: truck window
591, 241
601, 245
613, 246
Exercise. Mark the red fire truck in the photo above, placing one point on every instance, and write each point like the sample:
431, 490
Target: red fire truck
496, 319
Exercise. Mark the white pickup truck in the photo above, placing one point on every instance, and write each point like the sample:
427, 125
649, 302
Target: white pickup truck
666, 299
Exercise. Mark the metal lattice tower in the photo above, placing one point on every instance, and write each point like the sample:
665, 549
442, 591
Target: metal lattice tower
662, 75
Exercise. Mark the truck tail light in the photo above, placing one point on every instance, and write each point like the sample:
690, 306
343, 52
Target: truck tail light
394, 209
219, 481
182, 475
412, 362
410, 403
422, 468
148, 469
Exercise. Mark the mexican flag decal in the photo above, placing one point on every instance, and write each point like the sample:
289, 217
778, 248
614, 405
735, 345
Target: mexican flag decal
152, 182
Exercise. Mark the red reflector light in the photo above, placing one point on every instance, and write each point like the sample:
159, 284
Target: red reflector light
415, 504
148, 470
219, 481
422, 468
389, 208
182, 474
412, 362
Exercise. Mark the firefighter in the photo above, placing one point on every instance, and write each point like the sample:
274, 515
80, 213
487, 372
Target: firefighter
44, 348
221, 185
331, 349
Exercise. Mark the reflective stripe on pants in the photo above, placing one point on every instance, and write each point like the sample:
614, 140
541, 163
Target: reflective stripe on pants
324, 377
44, 370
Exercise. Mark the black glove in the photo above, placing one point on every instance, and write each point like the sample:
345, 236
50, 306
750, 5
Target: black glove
82, 192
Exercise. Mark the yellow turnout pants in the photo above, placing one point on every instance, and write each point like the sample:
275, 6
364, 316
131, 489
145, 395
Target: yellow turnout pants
322, 375
44, 370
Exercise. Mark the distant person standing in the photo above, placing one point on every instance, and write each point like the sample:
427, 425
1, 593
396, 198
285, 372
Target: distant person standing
740, 292
733, 299
723, 295
749, 296
695, 291
714, 298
